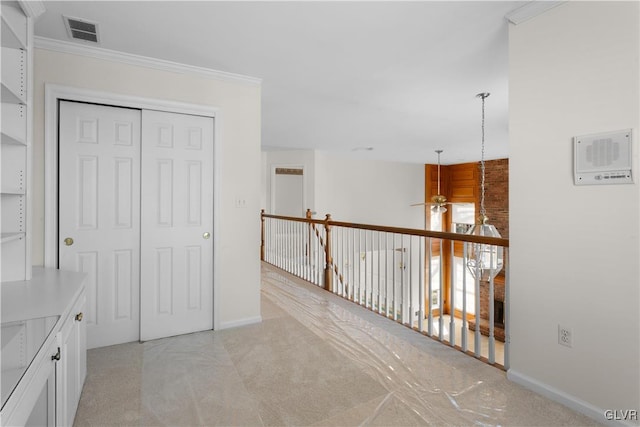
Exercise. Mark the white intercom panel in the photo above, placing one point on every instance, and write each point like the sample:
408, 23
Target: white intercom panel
603, 158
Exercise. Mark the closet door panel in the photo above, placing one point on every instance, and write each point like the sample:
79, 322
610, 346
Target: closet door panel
99, 215
177, 222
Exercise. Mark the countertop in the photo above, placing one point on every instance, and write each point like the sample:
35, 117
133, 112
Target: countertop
48, 293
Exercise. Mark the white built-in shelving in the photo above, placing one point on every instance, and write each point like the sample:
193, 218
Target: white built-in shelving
9, 237
43, 348
14, 27
15, 142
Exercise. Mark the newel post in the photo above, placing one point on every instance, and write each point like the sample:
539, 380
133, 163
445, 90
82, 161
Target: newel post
307, 247
328, 274
262, 235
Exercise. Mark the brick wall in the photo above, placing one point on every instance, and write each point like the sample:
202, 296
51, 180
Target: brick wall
498, 295
496, 199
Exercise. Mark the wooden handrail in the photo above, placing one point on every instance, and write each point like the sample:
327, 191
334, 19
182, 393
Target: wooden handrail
497, 241
295, 218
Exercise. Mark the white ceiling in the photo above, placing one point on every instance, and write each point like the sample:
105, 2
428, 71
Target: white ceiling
400, 77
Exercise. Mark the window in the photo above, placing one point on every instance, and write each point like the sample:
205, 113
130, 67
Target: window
462, 217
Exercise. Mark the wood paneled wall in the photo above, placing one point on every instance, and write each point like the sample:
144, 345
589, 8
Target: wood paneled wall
460, 183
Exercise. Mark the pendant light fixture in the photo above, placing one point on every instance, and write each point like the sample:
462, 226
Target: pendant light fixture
484, 261
438, 200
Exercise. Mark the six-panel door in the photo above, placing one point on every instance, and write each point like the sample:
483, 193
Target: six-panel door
99, 215
136, 215
177, 224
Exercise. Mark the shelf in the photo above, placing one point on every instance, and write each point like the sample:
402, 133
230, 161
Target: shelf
12, 20
12, 192
11, 140
10, 237
14, 124
9, 38
10, 97
14, 78
16, 43
9, 331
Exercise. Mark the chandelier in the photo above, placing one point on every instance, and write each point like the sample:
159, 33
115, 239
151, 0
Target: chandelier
484, 261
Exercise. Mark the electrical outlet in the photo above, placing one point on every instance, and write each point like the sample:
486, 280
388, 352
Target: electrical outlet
565, 336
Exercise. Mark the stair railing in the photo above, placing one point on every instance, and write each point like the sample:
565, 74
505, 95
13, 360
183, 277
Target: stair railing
397, 272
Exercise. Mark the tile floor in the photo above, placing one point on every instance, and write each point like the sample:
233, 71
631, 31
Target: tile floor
315, 359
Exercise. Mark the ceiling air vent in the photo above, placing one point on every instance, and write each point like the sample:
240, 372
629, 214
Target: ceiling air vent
81, 29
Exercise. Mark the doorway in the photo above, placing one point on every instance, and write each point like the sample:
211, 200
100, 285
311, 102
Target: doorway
288, 191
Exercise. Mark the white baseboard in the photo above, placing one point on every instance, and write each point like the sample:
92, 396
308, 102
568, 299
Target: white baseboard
568, 400
240, 322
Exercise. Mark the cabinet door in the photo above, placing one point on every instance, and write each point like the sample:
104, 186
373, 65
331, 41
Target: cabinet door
77, 347
32, 403
81, 335
43, 412
72, 367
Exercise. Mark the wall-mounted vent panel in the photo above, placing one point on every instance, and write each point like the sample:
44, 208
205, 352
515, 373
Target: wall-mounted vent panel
81, 29
289, 171
603, 158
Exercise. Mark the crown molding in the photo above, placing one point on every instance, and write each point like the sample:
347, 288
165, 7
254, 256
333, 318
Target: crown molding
531, 10
32, 8
142, 61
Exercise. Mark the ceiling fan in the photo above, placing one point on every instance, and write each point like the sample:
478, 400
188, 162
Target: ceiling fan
438, 201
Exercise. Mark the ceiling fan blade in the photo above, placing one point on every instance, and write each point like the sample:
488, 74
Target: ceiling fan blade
431, 203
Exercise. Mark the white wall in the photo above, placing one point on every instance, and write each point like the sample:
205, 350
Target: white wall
264, 180
353, 190
369, 191
575, 251
239, 130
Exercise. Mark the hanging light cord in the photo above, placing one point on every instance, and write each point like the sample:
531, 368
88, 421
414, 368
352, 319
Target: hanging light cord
438, 151
482, 209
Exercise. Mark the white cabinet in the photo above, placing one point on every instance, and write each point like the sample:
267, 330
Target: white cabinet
43, 348
15, 142
28, 371
71, 369
43, 411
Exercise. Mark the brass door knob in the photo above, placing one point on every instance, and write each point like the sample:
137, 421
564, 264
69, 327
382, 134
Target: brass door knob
68, 241
206, 235
79, 317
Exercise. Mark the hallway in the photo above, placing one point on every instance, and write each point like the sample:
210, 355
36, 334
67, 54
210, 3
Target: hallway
316, 359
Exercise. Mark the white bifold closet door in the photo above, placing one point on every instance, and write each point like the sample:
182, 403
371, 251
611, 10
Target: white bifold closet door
135, 211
